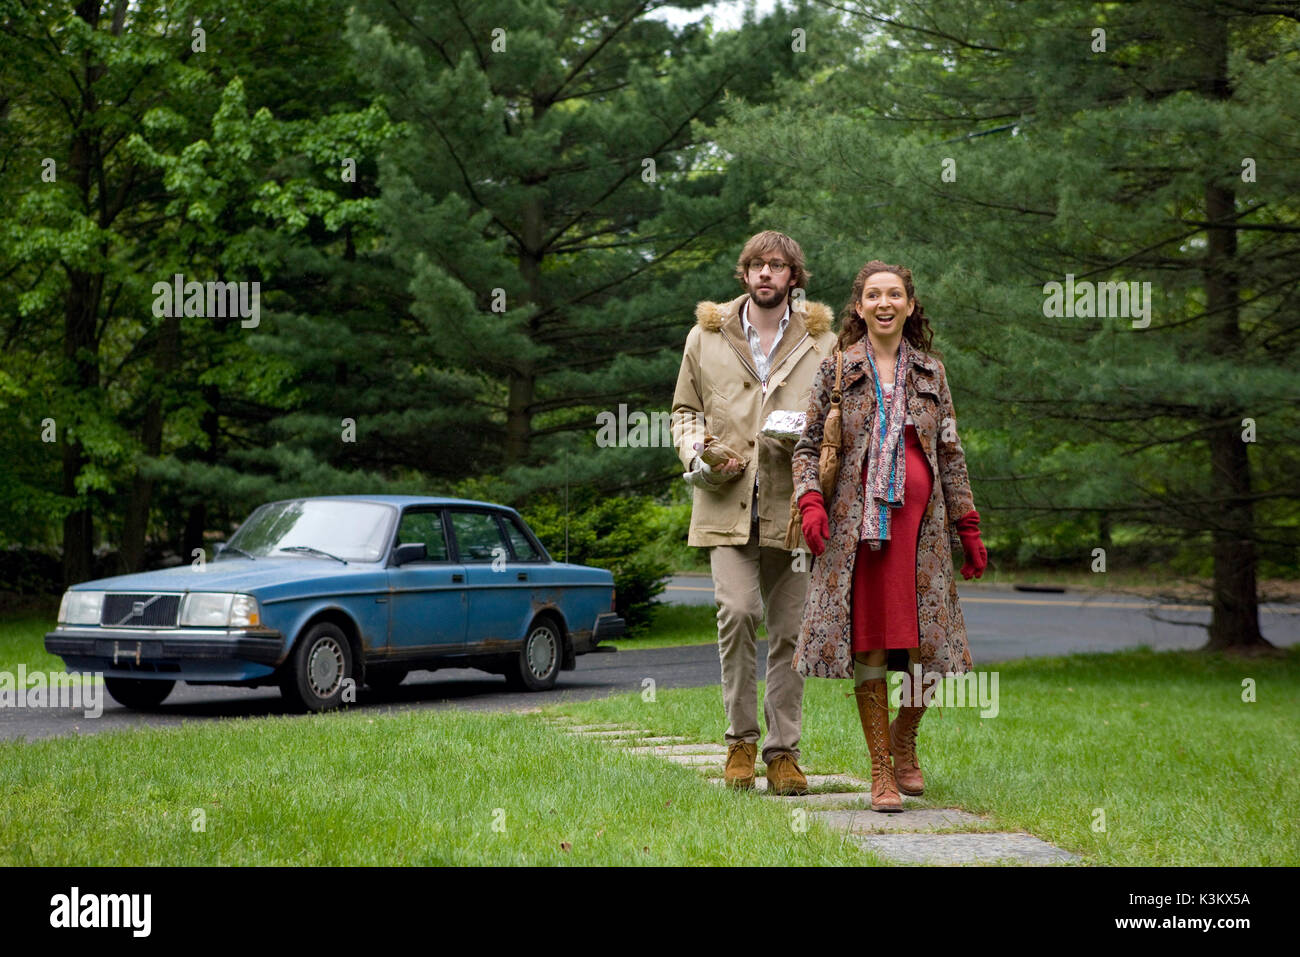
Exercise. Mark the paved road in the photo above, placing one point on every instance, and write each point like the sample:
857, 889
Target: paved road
1002, 625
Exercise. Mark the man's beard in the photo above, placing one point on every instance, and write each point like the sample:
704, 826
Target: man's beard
767, 297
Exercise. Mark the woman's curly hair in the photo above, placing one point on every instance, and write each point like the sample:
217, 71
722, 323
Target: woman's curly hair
916, 330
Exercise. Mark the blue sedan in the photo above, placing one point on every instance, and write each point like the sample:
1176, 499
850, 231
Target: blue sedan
318, 595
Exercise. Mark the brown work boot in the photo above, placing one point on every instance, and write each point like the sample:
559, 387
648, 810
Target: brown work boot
740, 765
873, 709
784, 776
902, 742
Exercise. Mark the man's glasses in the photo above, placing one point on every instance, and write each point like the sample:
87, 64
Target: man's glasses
776, 265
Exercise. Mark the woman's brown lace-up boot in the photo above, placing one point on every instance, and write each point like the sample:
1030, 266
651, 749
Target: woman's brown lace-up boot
902, 742
873, 709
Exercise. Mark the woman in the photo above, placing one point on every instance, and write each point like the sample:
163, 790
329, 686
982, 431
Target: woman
882, 593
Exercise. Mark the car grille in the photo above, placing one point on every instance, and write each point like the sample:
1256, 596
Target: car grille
140, 611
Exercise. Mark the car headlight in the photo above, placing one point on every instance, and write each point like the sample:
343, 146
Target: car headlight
219, 610
244, 612
81, 607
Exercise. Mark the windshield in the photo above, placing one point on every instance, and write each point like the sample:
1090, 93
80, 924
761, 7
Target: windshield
353, 531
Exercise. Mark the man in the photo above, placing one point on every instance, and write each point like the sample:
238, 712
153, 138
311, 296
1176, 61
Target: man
743, 360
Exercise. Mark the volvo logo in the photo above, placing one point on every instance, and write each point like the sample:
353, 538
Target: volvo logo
138, 609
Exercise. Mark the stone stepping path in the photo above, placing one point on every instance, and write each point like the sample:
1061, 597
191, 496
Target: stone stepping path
665, 749
993, 848
616, 733
584, 728
839, 785
920, 834
915, 818
717, 761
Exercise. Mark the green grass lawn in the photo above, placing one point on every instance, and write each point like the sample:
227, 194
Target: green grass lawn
679, 625
427, 788
1162, 744
1184, 771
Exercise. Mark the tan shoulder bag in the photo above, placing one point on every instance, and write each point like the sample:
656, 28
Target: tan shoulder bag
828, 463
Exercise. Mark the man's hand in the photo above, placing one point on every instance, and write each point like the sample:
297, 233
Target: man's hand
701, 476
725, 468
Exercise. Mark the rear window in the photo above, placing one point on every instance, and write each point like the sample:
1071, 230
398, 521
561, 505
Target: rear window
478, 539
524, 550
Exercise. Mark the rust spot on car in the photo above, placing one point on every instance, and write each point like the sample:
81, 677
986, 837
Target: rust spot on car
550, 601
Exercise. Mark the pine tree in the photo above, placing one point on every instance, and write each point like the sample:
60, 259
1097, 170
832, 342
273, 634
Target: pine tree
559, 208
999, 148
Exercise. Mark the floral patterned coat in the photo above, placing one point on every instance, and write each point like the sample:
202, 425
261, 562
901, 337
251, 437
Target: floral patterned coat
824, 648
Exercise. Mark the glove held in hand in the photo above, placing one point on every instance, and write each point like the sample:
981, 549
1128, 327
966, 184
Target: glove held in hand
816, 526
977, 556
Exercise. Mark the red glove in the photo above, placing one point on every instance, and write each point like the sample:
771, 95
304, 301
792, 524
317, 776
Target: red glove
816, 526
977, 556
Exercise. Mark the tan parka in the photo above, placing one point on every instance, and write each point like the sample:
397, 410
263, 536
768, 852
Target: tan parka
719, 393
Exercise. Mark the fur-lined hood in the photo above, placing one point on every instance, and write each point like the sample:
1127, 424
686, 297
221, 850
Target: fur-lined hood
816, 316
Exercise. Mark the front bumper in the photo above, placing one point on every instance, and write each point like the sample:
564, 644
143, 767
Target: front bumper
203, 652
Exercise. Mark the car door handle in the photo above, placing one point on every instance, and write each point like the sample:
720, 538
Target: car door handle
523, 576
457, 578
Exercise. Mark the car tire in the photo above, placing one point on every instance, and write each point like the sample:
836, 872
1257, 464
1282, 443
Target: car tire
138, 694
385, 679
537, 665
319, 670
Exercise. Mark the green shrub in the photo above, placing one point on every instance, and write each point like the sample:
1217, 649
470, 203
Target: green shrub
671, 526
618, 533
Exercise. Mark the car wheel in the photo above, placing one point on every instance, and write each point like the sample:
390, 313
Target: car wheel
138, 694
385, 679
320, 669
537, 666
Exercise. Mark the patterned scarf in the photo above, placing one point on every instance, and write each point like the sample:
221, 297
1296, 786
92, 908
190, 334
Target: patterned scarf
884, 475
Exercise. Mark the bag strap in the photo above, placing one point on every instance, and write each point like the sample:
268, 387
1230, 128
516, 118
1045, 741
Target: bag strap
836, 395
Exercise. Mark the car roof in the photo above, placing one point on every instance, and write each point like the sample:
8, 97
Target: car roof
399, 500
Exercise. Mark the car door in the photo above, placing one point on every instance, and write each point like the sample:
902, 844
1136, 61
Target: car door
499, 589
429, 606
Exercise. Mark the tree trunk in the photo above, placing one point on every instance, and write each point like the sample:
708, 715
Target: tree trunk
1234, 619
81, 377
136, 524
522, 379
196, 521
519, 418
80, 350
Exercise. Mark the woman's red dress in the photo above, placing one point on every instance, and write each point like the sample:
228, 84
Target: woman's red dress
884, 580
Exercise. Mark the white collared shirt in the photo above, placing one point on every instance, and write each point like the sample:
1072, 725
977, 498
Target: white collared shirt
762, 363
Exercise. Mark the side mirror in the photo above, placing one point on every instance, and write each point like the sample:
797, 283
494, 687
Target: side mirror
410, 552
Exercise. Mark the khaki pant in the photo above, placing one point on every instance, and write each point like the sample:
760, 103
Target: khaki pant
745, 578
